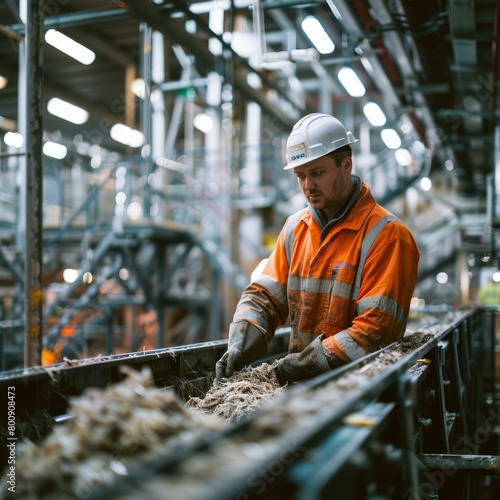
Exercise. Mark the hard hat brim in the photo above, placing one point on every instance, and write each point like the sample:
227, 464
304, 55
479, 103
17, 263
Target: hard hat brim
303, 161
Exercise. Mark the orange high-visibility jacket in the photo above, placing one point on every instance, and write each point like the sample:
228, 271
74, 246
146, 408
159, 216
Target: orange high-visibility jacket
351, 281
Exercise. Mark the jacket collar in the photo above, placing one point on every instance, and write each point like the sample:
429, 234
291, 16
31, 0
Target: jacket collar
361, 198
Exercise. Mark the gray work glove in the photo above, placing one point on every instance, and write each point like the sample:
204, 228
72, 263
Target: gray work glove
303, 365
246, 344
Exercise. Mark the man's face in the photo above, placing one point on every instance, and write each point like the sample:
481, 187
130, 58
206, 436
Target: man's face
324, 184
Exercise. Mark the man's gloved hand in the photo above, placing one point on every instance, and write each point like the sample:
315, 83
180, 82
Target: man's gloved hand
246, 344
303, 365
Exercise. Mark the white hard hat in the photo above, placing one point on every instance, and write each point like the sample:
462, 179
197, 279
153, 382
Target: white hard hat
313, 136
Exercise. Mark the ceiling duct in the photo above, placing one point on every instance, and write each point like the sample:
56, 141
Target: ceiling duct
447, 52
423, 20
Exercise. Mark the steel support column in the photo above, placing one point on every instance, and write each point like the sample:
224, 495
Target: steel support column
33, 135
146, 115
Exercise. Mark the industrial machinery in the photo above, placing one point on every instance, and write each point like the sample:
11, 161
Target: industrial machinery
417, 419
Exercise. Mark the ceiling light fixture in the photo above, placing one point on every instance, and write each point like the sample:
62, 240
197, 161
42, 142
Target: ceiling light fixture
442, 278
71, 48
126, 135
448, 164
403, 157
70, 275
3, 82
391, 138
216, 24
55, 150
134, 211
374, 114
203, 123
425, 184
317, 34
138, 88
67, 111
351, 82
13, 139
206, 7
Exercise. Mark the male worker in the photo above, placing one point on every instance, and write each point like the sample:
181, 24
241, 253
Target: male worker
343, 270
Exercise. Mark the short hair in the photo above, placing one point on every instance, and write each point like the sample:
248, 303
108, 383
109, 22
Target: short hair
339, 154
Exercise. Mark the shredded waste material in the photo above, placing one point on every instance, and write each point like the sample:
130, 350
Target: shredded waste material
111, 430
239, 395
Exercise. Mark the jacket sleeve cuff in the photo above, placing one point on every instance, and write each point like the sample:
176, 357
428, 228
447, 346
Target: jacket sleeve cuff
332, 360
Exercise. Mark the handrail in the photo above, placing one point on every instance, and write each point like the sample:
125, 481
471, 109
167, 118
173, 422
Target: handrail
49, 245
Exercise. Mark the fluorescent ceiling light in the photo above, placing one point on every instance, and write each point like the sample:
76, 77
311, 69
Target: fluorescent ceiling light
3, 82
448, 164
134, 211
69, 47
419, 147
203, 122
96, 161
244, 43
67, 111
54, 150
425, 183
124, 274
403, 157
70, 275
442, 278
205, 7
349, 79
391, 138
138, 88
374, 114
13, 139
120, 198
126, 135
317, 34
216, 24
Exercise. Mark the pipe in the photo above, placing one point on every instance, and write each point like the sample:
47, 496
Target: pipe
150, 14
422, 20
392, 70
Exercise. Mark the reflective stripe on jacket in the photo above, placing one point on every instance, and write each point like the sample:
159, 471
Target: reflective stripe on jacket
352, 282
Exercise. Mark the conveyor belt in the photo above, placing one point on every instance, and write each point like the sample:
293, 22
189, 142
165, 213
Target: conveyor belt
357, 431
297, 445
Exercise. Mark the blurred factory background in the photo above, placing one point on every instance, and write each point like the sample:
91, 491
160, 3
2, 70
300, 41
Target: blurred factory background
161, 127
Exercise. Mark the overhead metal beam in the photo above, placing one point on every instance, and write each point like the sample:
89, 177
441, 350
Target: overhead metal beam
78, 19
102, 46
